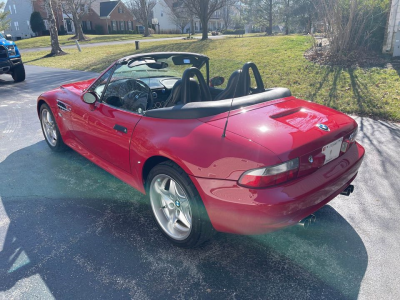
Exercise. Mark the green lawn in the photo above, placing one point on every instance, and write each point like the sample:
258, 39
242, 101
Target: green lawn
44, 41
370, 92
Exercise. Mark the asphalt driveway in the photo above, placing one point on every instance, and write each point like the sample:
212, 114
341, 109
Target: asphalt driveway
69, 230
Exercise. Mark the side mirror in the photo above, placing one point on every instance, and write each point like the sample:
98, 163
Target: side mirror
90, 97
8, 37
216, 81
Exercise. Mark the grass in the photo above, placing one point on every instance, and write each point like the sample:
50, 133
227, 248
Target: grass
44, 41
370, 92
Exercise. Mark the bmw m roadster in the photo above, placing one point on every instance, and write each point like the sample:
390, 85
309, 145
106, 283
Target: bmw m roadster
241, 159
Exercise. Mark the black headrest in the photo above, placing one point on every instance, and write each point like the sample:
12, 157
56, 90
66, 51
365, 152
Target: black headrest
231, 87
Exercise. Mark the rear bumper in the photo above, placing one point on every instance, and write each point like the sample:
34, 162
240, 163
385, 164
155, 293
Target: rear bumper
240, 210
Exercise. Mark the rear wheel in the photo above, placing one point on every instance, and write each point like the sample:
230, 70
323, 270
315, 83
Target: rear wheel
177, 208
18, 73
50, 130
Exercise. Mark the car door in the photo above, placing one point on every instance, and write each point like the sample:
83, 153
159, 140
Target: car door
105, 128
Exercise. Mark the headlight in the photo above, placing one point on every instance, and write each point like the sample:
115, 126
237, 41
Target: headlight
11, 50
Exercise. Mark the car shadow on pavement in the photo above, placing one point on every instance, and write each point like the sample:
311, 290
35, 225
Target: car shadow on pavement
88, 235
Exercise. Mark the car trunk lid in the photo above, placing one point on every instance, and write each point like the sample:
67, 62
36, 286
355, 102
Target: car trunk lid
292, 128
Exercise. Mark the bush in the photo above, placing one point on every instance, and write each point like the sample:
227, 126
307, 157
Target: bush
234, 31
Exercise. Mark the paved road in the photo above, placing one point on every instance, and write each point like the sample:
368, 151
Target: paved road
116, 43
69, 230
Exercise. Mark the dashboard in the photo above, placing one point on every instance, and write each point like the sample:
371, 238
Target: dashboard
160, 88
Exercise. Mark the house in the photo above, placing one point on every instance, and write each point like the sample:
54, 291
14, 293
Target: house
163, 12
104, 17
391, 42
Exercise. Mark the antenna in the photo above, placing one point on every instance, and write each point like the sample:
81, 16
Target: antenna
227, 119
233, 97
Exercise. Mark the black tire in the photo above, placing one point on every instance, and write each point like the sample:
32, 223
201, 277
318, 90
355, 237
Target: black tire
201, 229
18, 73
57, 145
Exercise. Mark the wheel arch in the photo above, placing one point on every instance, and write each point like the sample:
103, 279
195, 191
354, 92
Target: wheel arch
151, 162
39, 104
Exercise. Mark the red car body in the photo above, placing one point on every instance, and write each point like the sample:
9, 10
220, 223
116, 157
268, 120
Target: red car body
258, 135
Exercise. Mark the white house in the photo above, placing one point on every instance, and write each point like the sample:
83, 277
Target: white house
19, 14
392, 38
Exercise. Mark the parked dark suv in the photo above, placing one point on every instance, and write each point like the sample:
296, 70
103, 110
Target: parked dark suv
10, 59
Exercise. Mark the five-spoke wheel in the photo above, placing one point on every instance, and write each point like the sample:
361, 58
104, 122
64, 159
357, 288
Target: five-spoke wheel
171, 207
50, 130
177, 207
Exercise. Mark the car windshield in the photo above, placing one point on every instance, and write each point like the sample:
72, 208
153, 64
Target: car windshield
1, 36
153, 69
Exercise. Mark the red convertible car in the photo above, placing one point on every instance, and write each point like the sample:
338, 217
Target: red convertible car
243, 159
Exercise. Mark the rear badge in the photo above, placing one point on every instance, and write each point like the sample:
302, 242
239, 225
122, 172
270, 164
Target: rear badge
310, 159
323, 127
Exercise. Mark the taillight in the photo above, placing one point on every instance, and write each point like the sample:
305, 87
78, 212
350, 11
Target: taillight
269, 176
350, 140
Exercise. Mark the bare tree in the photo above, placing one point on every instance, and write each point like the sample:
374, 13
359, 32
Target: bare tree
227, 15
263, 13
4, 22
204, 9
55, 45
179, 15
75, 10
141, 10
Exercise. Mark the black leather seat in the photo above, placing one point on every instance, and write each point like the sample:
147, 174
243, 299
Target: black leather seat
176, 96
231, 87
187, 89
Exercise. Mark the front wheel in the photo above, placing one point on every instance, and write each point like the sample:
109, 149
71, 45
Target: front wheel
177, 208
50, 130
18, 73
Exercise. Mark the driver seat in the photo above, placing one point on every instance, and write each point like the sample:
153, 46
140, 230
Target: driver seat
176, 96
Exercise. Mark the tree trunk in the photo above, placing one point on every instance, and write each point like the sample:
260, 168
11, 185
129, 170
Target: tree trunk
78, 27
146, 29
204, 30
270, 18
287, 18
55, 45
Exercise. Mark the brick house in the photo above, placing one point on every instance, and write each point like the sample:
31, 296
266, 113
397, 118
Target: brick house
105, 17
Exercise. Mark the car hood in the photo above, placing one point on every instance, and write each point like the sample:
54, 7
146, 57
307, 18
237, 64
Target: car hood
6, 42
289, 128
78, 87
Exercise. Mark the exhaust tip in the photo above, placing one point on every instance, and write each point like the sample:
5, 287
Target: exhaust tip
307, 221
347, 191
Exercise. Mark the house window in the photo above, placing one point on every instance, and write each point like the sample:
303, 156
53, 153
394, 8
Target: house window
120, 10
130, 27
16, 26
29, 25
15, 9
122, 25
10, 9
88, 25
46, 24
114, 25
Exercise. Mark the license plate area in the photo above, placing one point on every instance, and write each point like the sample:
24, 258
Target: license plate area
332, 150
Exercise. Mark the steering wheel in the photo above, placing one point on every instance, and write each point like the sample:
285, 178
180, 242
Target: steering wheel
246, 80
187, 84
140, 98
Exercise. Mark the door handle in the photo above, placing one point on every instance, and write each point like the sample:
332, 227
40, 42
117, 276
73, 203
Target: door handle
120, 128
